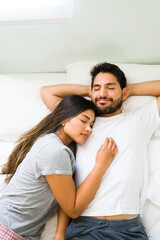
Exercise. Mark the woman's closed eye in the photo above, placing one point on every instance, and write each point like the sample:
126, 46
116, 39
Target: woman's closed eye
84, 121
92, 125
87, 120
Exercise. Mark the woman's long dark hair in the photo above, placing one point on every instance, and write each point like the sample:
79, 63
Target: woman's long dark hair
68, 108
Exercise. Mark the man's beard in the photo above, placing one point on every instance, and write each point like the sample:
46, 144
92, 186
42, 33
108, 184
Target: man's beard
114, 106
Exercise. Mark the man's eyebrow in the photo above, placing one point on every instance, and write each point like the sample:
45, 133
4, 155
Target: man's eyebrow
97, 85
110, 84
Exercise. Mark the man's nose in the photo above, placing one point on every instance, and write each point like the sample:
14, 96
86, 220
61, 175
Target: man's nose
103, 92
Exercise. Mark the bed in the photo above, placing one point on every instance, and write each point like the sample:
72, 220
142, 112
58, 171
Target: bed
22, 107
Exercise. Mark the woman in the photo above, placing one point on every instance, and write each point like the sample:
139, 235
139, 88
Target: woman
40, 168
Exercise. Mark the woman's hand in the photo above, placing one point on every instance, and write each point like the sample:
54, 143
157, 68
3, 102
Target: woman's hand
106, 154
73, 201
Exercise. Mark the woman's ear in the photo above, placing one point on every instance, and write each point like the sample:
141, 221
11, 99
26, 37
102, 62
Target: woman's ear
125, 94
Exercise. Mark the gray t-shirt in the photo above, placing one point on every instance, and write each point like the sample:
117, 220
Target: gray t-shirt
28, 202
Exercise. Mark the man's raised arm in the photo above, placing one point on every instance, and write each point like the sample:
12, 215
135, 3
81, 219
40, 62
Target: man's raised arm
53, 94
151, 88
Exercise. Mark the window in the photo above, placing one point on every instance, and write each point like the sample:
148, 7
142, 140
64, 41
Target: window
15, 12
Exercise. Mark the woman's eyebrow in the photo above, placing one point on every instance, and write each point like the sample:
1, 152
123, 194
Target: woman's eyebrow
85, 116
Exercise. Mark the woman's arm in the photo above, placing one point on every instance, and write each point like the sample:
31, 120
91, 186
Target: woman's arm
73, 201
53, 94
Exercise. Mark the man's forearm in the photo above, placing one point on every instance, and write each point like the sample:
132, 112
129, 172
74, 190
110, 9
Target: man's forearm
62, 223
151, 88
53, 94
63, 90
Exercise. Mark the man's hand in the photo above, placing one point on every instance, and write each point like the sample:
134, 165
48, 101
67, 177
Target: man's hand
128, 90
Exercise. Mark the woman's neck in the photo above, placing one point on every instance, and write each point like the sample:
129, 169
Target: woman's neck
63, 137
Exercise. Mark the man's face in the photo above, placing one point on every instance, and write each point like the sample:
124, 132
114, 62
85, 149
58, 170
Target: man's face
107, 94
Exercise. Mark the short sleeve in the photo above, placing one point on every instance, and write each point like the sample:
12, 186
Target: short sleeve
149, 115
54, 159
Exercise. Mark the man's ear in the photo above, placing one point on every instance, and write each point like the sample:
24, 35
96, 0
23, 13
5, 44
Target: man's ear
125, 94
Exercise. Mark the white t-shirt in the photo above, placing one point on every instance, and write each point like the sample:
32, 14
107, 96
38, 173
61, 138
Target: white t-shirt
123, 188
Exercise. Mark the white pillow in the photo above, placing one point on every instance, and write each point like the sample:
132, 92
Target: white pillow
154, 232
5, 150
154, 171
151, 220
21, 107
79, 73
154, 188
50, 229
21, 104
154, 155
2, 183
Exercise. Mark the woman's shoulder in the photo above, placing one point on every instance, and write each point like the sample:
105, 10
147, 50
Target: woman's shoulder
47, 140
51, 144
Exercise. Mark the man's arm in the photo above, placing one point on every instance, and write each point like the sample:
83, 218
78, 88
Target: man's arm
151, 88
62, 223
53, 94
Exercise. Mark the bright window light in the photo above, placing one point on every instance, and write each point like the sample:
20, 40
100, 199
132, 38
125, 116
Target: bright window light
15, 12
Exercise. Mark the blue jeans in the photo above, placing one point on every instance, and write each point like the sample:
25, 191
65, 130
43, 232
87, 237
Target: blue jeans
89, 228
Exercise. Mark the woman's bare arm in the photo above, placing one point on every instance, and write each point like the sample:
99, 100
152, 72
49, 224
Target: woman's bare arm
73, 201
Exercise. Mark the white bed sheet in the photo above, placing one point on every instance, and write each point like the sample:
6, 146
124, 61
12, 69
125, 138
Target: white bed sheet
151, 211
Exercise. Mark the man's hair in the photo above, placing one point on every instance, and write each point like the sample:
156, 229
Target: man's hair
105, 67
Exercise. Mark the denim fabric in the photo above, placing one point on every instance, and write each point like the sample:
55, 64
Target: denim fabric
89, 228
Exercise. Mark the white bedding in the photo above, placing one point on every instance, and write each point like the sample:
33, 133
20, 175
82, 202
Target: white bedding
22, 107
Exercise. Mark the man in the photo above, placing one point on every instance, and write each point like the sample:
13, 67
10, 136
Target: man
114, 212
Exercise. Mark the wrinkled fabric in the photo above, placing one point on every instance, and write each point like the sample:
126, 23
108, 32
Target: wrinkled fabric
8, 234
89, 228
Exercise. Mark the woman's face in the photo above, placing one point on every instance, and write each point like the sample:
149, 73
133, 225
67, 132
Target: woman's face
79, 128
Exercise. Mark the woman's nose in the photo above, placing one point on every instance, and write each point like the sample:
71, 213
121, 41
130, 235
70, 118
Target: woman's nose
88, 128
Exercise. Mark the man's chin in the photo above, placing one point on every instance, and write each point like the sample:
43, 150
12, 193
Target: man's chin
102, 110
103, 106
107, 110
110, 107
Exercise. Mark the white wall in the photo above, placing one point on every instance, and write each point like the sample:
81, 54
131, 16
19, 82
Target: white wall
125, 31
